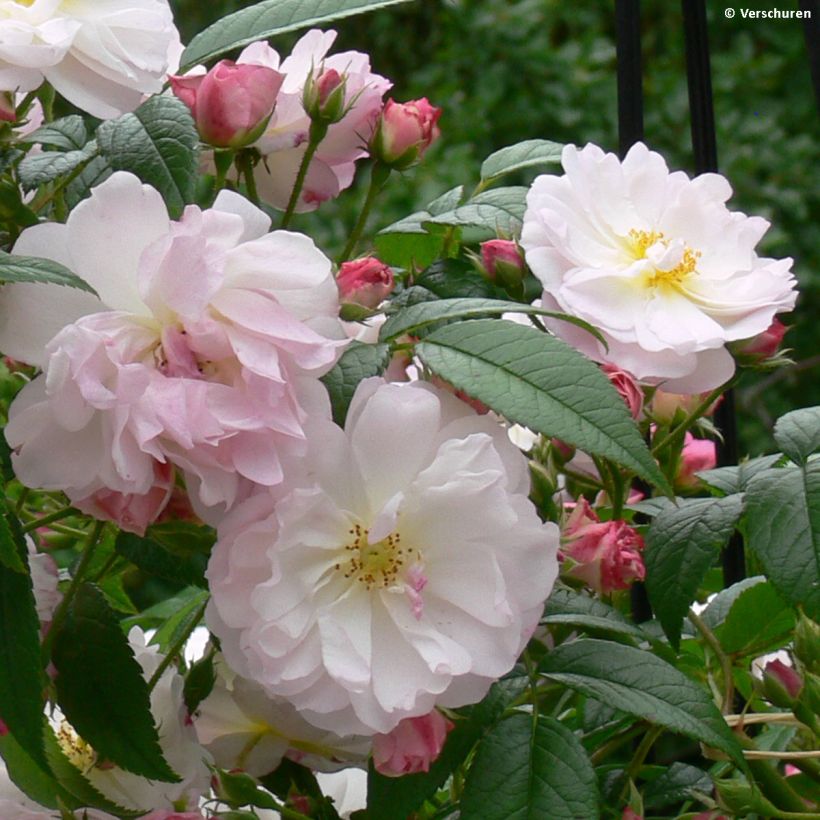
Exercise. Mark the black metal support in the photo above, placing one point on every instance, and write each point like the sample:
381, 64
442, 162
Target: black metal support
811, 30
704, 147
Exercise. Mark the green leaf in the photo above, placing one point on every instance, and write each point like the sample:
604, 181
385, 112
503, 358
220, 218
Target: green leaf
37, 169
499, 211
357, 362
676, 784
157, 142
95, 173
21, 673
539, 381
199, 683
527, 769
521, 155
681, 544
265, 20
66, 134
758, 621
182, 622
447, 201
12, 208
735, 478
641, 684
564, 606
11, 556
183, 537
453, 278
34, 269
32, 778
783, 516
406, 243
798, 433
715, 614
101, 690
152, 557
417, 316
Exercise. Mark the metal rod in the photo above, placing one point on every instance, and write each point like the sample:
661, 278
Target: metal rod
811, 31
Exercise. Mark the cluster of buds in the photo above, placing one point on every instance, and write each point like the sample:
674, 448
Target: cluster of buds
403, 132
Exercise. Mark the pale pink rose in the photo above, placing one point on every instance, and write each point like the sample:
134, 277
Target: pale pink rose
231, 104
407, 570
764, 345
503, 260
102, 56
629, 389
284, 140
605, 555
655, 261
367, 281
404, 132
698, 454
203, 349
44, 578
412, 746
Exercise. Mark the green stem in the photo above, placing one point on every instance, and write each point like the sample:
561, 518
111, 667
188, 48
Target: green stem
244, 162
639, 757
21, 500
39, 204
378, 177
177, 646
615, 743
723, 658
773, 785
223, 161
79, 573
317, 132
532, 674
45, 520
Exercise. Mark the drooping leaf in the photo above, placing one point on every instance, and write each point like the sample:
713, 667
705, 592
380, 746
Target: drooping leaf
641, 684
66, 134
783, 515
267, 19
494, 212
521, 155
37, 169
681, 544
15, 268
357, 362
153, 558
798, 433
101, 689
758, 621
527, 769
539, 381
158, 143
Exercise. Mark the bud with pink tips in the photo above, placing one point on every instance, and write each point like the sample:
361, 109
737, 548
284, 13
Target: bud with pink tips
628, 387
366, 282
762, 347
503, 262
412, 746
324, 96
404, 132
232, 103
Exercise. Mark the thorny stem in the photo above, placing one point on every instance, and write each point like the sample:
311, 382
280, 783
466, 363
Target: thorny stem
725, 660
378, 177
244, 162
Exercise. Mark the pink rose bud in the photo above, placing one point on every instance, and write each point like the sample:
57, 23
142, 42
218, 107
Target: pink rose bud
763, 346
698, 454
666, 405
628, 387
412, 746
503, 261
366, 282
781, 683
605, 555
404, 132
324, 96
630, 814
232, 103
4, 730
8, 109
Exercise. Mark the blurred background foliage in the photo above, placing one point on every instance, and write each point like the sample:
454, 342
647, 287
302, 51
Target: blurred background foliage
509, 70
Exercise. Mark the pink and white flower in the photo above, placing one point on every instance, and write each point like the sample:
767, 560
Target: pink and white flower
203, 349
408, 571
101, 55
653, 260
412, 746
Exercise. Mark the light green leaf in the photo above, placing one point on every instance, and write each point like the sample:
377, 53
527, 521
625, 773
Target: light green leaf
759, 621
37, 169
67, 134
783, 516
157, 142
34, 269
101, 689
359, 361
681, 544
537, 380
521, 155
183, 621
717, 610
498, 211
447, 201
798, 433
264, 20
406, 243
641, 684
527, 769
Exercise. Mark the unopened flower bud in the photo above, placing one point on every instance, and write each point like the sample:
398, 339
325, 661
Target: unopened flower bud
665, 406
631, 814
763, 346
412, 746
404, 132
807, 643
8, 109
366, 282
781, 683
698, 454
324, 96
626, 384
231, 104
503, 262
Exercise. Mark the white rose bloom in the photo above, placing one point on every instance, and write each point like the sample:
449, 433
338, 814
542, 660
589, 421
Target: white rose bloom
653, 260
101, 55
409, 572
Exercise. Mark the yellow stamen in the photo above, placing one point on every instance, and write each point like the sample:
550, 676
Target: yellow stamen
375, 565
641, 241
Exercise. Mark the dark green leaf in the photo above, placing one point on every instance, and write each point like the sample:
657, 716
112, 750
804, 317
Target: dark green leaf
783, 515
157, 142
715, 614
527, 769
101, 689
735, 478
495, 212
641, 684
758, 621
452, 278
521, 155
11, 556
357, 362
798, 433
676, 784
199, 683
12, 208
565, 606
95, 173
32, 778
267, 19
67, 134
34, 269
539, 381
152, 557
37, 169
681, 544
183, 537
